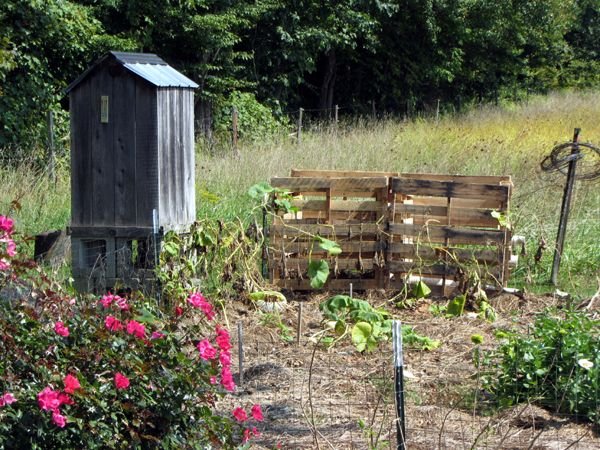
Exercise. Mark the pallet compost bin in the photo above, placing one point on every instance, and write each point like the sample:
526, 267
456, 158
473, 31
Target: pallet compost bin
132, 166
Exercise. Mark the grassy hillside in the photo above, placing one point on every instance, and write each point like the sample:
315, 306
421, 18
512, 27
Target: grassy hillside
509, 140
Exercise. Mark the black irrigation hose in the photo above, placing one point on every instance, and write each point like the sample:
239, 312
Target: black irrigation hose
562, 154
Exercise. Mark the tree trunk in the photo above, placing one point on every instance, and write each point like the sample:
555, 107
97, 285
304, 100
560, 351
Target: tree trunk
327, 86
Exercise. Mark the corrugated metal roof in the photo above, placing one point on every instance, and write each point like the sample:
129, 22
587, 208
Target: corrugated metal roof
161, 75
145, 65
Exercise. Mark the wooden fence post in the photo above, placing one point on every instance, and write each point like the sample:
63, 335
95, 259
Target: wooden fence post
234, 130
299, 135
51, 154
336, 112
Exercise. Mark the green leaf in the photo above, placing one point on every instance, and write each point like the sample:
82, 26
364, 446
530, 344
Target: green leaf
361, 332
171, 248
259, 190
270, 296
457, 305
421, 290
332, 248
318, 272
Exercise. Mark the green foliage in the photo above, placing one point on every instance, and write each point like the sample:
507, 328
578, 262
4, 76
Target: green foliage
221, 256
255, 121
169, 396
456, 306
318, 272
369, 325
556, 366
421, 290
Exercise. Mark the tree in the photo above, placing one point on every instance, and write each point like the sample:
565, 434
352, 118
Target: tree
45, 45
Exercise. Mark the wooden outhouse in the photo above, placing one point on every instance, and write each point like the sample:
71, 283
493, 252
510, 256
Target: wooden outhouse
132, 166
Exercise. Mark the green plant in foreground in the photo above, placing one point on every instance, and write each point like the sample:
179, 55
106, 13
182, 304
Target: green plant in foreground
556, 366
367, 325
114, 372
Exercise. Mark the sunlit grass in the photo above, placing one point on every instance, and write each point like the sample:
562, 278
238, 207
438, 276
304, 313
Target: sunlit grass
510, 140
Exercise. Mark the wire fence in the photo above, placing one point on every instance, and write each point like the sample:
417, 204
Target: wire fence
340, 399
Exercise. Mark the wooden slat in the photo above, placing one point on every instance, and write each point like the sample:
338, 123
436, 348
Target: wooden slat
123, 99
334, 284
440, 233
465, 203
112, 231
423, 252
341, 173
342, 263
425, 188
460, 178
103, 169
459, 216
341, 230
418, 267
335, 184
146, 164
81, 153
294, 247
339, 205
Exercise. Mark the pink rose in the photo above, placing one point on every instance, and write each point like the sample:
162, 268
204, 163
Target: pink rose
106, 300
225, 359
11, 248
48, 399
239, 414
197, 300
58, 419
136, 328
256, 413
121, 381
7, 224
7, 399
121, 303
4, 264
207, 351
227, 379
113, 324
71, 384
61, 329
157, 335
250, 433
223, 339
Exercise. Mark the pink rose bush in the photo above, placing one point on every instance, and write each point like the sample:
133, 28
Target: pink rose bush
110, 368
8, 247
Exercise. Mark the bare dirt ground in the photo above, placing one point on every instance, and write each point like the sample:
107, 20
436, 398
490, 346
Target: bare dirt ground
340, 399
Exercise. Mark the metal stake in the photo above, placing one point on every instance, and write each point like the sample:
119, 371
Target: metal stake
399, 384
564, 210
240, 353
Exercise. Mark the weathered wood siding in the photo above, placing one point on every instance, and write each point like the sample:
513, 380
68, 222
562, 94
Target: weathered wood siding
177, 208
115, 165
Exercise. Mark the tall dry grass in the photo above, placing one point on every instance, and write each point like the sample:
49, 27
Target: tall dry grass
510, 140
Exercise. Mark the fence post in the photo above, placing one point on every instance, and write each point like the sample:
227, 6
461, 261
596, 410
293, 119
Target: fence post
240, 353
51, 154
373, 111
399, 384
437, 111
336, 115
234, 129
299, 134
566, 205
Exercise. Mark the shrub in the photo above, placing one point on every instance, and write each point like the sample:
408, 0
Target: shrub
113, 372
556, 366
255, 120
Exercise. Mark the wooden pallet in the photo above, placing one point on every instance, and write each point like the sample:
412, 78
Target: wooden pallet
350, 210
442, 230
393, 229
